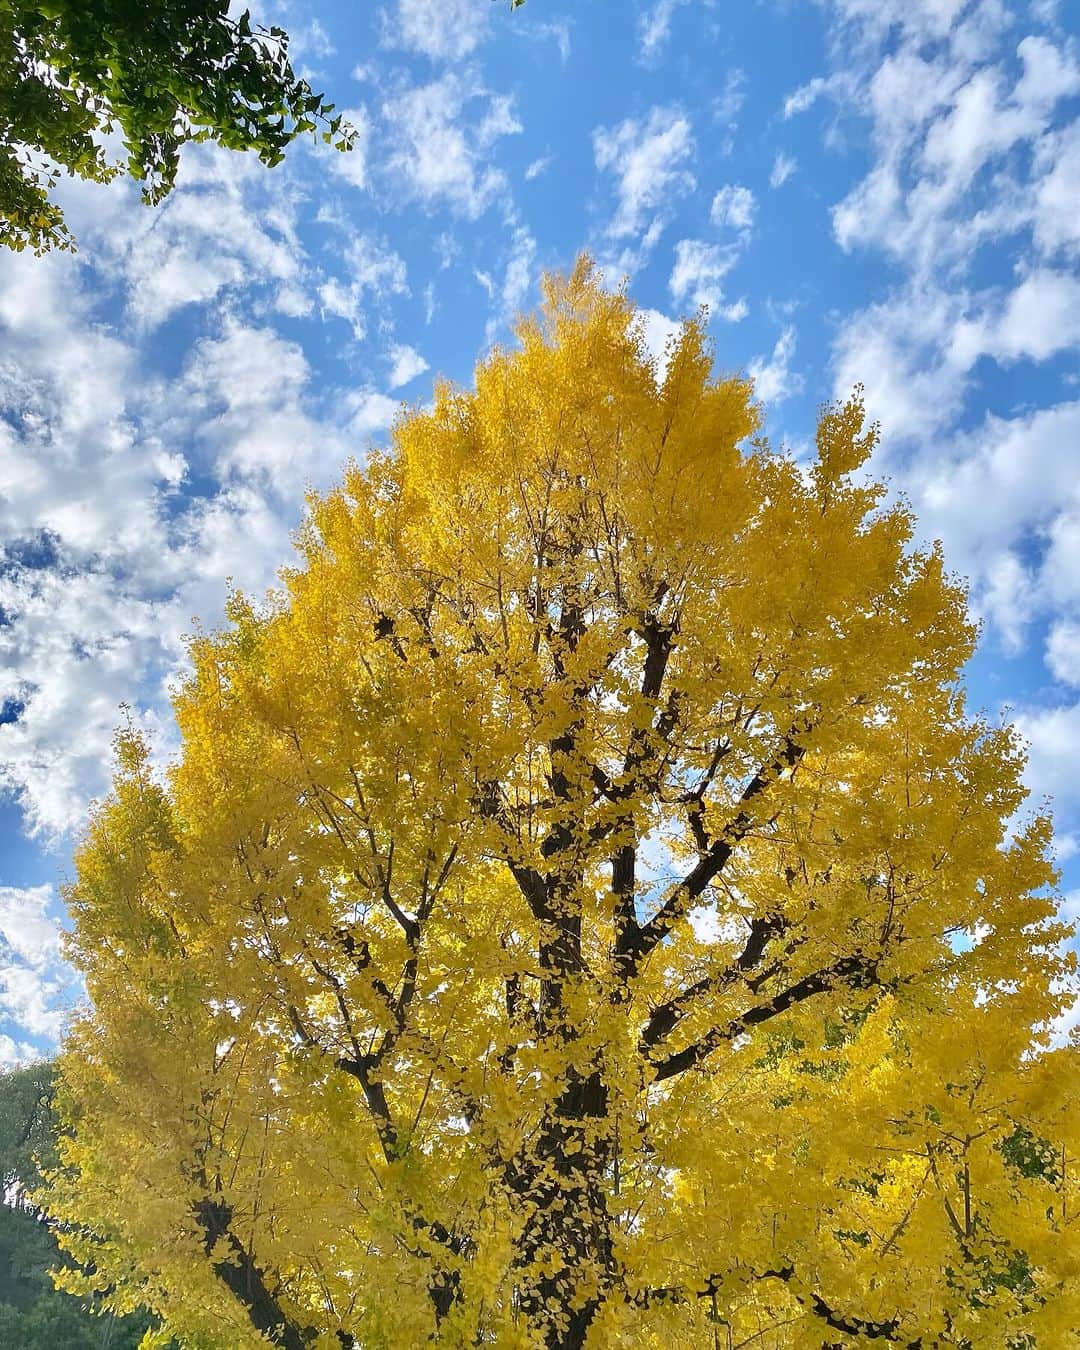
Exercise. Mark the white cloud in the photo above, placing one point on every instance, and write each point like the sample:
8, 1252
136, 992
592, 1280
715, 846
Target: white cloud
36, 986
697, 274
441, 155
508, 296
805, 96
1053, 736
648, 159
105, 561
654, 28
728, 103
26, 929
899, 350
69, 463
293, 302
245, 390
369, 412
734, 207
916, 351
1055, 196
537, 167
1063, 651
1066, 846
445, 30
373, 273
783, 167
774, 380
34, 1003
979, 125
13, 1053
406, 364
1050, 74
518, 275
966, 155
1021, 472
869, 210
74, 647
557, 30
1040, 317
374, 266
940, 123
918, 20
1007, 595
1021, 546
905, 92
1061, 565
230, 224
309, 38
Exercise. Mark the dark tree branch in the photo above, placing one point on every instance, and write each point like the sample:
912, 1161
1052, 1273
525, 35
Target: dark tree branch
664, 1018
532, 885
694, 800
885, 1330
659, 641
857, 971
244, 1278
634, 946
385, 630
888, 1330
623, 885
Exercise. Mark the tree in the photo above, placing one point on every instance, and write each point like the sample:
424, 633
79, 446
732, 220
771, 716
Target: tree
33, 1315
161, 74
26, 1128
583, 910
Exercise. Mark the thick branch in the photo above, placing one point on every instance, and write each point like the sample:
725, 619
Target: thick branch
532, 885
636, 944
884, 1330
624, 885
659, 643
664, 1018
887, 1330
244, 1279
856, 970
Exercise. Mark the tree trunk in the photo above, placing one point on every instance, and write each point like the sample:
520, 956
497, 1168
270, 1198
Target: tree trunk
566, 1257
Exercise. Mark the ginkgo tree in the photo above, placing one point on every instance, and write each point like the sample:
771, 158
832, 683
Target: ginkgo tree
583, 912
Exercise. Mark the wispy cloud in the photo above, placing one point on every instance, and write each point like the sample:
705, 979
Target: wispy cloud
649, 161
439, 154
783, 167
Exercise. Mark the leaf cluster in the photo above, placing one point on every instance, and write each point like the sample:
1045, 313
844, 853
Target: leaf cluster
155, 76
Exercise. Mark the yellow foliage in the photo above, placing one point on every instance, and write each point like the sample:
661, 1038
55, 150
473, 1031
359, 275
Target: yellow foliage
584, 911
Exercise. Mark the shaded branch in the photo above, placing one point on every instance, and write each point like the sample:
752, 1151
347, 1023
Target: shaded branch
533, 886
244, 1278
664, 1018
886, 1330
635, 944
856, 970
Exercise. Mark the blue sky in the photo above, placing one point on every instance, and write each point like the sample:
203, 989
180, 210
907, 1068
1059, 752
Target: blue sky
881, 191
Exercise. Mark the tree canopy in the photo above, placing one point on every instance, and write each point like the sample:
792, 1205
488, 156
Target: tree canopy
161, 75
584, 910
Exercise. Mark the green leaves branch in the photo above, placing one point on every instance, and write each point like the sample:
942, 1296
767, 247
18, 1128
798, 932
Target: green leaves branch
162, 75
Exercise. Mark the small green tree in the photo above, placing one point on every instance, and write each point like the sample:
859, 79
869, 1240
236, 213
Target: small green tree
162, 74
